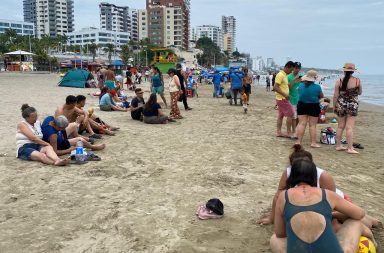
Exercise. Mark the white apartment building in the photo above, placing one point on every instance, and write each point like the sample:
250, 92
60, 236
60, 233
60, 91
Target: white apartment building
119, 19
100, 37
142, 24
21, 28
212, 32
50, 17
173, 26
228, 26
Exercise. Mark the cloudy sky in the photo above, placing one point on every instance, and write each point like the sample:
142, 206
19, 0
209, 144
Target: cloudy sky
323, 33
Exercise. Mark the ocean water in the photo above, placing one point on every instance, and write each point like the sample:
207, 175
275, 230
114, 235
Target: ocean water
373, 88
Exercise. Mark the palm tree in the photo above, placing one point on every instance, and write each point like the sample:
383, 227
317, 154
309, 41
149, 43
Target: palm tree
125, 53
109, 49
93, 49
10, 34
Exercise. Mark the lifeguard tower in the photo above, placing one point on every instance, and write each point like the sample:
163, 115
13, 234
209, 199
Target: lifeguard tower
164, 59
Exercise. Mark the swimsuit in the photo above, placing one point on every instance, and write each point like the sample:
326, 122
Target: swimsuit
327, 242
348, 102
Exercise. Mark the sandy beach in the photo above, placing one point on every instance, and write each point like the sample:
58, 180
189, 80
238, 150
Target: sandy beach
143, 195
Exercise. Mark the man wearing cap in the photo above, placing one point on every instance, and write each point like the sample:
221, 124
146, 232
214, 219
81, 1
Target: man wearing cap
285, 109
55, 133
293, 83
137, 104
183, 82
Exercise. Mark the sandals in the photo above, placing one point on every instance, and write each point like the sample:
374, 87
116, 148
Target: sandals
93, 157
358, 145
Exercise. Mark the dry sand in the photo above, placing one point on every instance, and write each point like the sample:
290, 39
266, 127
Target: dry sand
143, 195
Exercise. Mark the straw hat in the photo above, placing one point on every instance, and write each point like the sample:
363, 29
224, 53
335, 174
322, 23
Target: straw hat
310, 76
349, 67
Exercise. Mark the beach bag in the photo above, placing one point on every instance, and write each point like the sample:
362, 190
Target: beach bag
328, 136
228, 94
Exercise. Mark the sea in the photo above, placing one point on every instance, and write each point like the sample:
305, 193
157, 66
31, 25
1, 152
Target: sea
373, 88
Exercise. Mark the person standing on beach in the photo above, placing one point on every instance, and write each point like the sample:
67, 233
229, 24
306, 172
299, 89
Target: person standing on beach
346, 106
285, 108
268, 83
183, 83
247, 84
236, 78
294, 81
216, 80
157, 84
110, 77
174, 90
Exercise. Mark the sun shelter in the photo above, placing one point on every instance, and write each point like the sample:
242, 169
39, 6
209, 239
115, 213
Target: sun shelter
76, 78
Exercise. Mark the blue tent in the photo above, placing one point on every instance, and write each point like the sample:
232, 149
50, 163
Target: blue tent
117, 63
76, 78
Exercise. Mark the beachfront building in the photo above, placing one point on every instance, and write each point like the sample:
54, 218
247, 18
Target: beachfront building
142, 24
50, 17
100, 37
258, 64
21, 28
228, 26
213, 32
119, 19
168, 22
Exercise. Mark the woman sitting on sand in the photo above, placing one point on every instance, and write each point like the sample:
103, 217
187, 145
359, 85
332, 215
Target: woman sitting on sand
308, 107
152, 112
54, 132
30, 145
324, 181
107, 104
303, 219
346, 106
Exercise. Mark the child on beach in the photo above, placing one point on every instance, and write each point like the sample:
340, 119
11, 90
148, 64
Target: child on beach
244, 99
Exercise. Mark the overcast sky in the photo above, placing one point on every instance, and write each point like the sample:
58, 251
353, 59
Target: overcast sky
322, 34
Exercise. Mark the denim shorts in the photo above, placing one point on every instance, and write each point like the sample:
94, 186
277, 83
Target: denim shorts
158, 90
25, 151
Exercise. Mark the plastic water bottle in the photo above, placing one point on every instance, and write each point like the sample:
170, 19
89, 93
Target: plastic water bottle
79, 151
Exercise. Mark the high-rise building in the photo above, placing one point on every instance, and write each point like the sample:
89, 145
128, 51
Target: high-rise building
228, 26
119, 19
168, 22
142, 24
228, 43
50, 17
21, 28
212, 32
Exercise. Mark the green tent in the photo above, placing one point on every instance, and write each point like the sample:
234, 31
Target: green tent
76, 78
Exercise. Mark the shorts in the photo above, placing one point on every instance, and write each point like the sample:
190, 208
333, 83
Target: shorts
25, 152
158, 90
247, 89
64, 145
285, 108
310, 109
294, 111
106, 108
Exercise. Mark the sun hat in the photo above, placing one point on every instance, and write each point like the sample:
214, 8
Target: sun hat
61, 121
310, 76
349, 67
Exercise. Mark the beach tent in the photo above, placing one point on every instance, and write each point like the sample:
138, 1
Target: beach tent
75, 78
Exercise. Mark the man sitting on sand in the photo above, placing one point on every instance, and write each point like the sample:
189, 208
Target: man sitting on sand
137, 105
55, 133
94, 125
107, 104
75, 115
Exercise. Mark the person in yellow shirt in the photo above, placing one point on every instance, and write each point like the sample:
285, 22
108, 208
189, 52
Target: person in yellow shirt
285, 108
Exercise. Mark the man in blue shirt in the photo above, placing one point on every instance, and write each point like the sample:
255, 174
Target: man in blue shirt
216, 84
236, 78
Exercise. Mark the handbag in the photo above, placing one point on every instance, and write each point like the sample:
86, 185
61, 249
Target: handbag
181, 97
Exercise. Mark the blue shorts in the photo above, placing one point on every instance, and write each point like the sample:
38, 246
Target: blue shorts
158, 90
25, 151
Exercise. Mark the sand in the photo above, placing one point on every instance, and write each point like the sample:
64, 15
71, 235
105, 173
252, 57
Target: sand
143, 195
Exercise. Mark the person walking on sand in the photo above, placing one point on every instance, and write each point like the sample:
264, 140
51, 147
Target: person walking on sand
293, 83
285, 108
174, 90
157, 84
247, 84
308, 107
183, 83
346, 106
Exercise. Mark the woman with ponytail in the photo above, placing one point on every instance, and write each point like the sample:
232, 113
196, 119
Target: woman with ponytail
346, 105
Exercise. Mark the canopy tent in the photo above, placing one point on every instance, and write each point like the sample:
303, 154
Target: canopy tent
117, 63
19, 52
76, 78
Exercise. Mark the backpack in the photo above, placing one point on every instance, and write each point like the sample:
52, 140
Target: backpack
328, 136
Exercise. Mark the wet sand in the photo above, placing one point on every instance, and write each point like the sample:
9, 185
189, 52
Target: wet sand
143, 195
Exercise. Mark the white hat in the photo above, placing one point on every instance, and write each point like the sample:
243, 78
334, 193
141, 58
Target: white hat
310, 76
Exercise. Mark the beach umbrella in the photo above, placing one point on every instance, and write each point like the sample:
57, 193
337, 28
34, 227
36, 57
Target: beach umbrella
19, 52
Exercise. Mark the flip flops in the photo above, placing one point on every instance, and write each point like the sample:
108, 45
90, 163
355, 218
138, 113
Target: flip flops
358, 145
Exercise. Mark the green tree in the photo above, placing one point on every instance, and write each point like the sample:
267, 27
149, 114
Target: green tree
109, 49
125, 53
93, 49
211, 55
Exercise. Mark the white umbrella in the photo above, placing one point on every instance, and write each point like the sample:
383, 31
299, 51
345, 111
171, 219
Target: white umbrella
19, 52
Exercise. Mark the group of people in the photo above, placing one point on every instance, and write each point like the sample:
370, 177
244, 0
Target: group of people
60, 133
311, 215
298, 99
